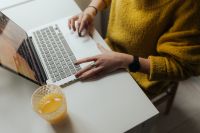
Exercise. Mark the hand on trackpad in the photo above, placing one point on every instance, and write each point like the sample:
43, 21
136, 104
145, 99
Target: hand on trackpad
83, 33
80, 33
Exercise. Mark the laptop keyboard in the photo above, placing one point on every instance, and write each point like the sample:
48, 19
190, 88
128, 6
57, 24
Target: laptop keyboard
56, 53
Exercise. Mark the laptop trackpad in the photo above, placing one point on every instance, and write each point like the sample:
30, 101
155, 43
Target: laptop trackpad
82, 47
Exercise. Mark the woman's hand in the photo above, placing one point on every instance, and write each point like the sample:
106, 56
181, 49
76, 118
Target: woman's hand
84, 21
104, 63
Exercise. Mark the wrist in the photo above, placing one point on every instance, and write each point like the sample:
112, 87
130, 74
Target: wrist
126, 60
95, 8
91, 10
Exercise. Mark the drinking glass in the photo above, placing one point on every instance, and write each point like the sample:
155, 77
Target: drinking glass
50, 103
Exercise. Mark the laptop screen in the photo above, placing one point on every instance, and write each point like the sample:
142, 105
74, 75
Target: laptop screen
14, 53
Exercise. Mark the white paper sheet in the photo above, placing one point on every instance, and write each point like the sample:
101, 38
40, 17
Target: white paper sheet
9, 3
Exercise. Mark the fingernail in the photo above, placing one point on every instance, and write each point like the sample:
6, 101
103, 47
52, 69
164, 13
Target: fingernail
81, 78
76, 75
79, 34
75, 63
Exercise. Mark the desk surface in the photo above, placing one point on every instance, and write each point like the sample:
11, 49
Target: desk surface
4, 4
113, 104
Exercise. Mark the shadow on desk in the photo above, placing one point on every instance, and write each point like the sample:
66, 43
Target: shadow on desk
64, 127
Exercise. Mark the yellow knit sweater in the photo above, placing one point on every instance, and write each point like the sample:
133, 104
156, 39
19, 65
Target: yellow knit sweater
165, 31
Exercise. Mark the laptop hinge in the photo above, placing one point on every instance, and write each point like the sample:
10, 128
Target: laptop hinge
40, 73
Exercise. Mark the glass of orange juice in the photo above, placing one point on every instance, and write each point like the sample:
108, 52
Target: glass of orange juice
50, 103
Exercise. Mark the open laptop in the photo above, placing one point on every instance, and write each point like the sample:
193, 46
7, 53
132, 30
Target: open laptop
46, 54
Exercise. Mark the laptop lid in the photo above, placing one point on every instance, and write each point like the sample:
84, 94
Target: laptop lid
17, 52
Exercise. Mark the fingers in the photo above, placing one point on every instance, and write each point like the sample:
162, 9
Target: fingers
90, 73
86, 23
71, 22
83, 70
93, 65
83, 24
78, 23
86, 60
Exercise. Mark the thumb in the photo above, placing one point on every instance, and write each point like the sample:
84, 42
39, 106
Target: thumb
101, 48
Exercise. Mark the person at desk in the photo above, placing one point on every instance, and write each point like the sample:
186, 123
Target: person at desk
157, 40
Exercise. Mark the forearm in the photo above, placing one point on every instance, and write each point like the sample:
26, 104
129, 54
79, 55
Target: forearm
99, 4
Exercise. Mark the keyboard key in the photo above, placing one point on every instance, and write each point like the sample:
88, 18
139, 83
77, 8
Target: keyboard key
77, 67
56, 53
59, 66
73, 71
68, 73
58, 78
54, 79
63, 76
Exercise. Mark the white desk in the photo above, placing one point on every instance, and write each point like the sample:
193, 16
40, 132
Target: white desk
113, 104
4, 4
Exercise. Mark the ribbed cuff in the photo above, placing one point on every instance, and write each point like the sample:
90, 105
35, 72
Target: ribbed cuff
158, 68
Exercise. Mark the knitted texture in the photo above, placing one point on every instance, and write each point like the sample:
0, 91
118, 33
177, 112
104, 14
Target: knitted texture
165, 31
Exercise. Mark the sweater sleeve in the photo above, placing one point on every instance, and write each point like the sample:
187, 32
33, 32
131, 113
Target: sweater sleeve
179, 49
107, 2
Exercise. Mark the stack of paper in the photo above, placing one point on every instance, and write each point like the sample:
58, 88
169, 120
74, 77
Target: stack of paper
10, 3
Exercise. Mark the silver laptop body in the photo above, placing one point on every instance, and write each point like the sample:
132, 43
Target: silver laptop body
45, 54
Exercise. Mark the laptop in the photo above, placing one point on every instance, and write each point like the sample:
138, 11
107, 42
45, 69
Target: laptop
45, 54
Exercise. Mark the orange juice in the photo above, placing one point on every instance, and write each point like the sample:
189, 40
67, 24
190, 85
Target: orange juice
53, 106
